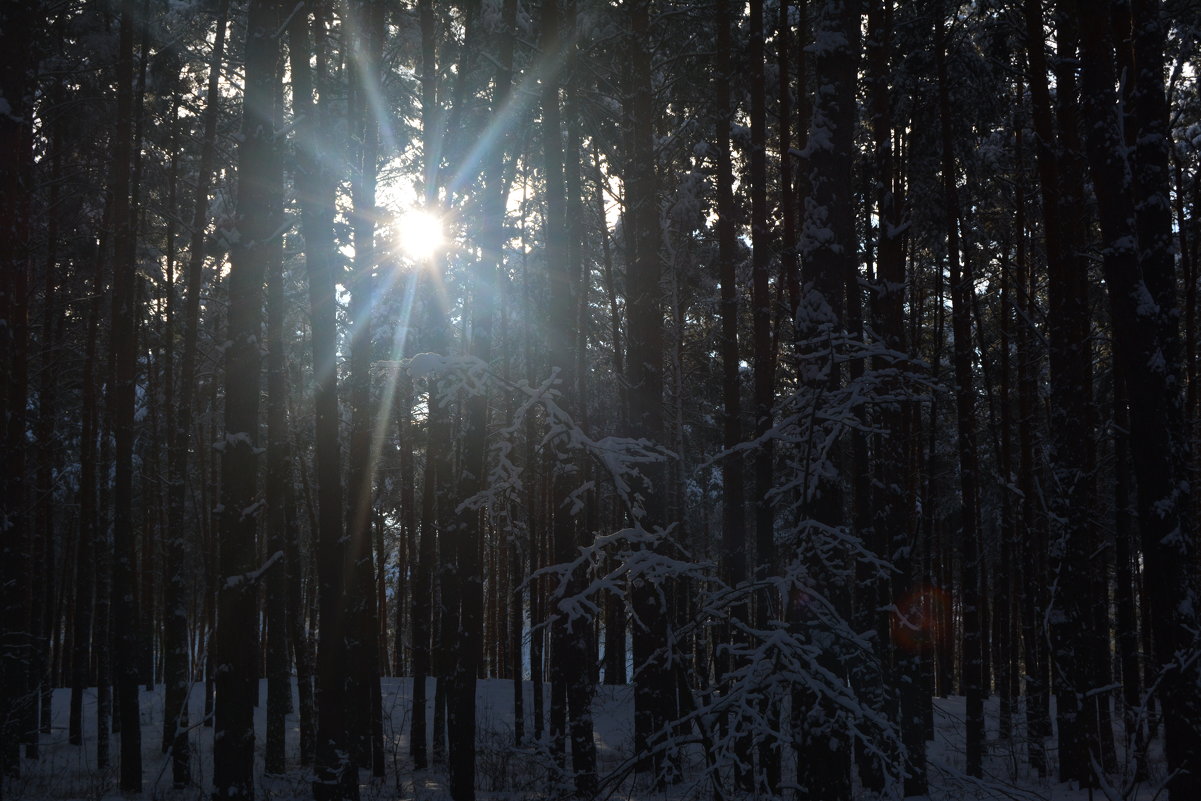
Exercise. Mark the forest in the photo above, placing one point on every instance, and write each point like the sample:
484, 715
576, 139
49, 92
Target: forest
797, 377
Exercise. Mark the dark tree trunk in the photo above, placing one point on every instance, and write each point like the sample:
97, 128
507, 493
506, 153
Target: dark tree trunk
424, 565
297, 614
17, 84
1030, 542
892, 519
86, 607
102, 635
653, 684
766, 606
1125, 552
121, 406
407, 547
614, 603
571, 684
962, 291
176, 646
47, 612
336, 777
1132, 201
733, 523
362, 641
277, 488
464, 529
1075, 646
763, 351
829, 255
259, 219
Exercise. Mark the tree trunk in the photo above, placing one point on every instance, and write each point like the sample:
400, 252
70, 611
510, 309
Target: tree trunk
653, 685
828, 253
962, 291
766, 604
18, 67
121, 407
1125, 551
362, 642
276, 491
571, 685
733, 523
892, 519
424, 565
259, 218
1138, 266
336, 777
176, 646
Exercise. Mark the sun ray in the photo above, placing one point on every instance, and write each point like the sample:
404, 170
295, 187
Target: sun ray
419, 234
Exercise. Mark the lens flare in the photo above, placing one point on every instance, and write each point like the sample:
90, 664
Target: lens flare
916, 618
419, 234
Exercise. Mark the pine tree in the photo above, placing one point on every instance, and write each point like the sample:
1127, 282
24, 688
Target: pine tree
251, 250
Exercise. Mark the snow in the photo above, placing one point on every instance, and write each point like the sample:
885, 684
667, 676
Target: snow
423, 365
253, 576
505, 771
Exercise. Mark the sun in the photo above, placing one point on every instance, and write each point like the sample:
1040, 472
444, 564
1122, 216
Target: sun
419, 234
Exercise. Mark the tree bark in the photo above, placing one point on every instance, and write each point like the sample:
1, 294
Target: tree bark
18, 67
336, 777
733, 523
362, 652
828, 252
252, 249
962, 291
1132, 201
654, 703
176, 645
280, 517
121, 400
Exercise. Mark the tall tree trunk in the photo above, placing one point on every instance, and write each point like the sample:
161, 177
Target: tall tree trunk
277, 493
86, 574
615, 603
766, 604
559, 291
176, 646
144, 571
17, 73
407, 556
259, 219
1125, 551
299, 592
102, 632
1075, 646
829, 255
423, 566
733, 522
53, 319
125, 315
654, 703
363, 641
892, 519
962, 291
1006, 661
336, 777
279, 517
1030, 542
1132, 201
763, 355
789, 289
571, 672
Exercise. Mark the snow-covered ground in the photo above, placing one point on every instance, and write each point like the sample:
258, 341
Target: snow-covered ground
504, 771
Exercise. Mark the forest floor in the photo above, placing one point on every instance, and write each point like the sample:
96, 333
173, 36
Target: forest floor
505, 772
